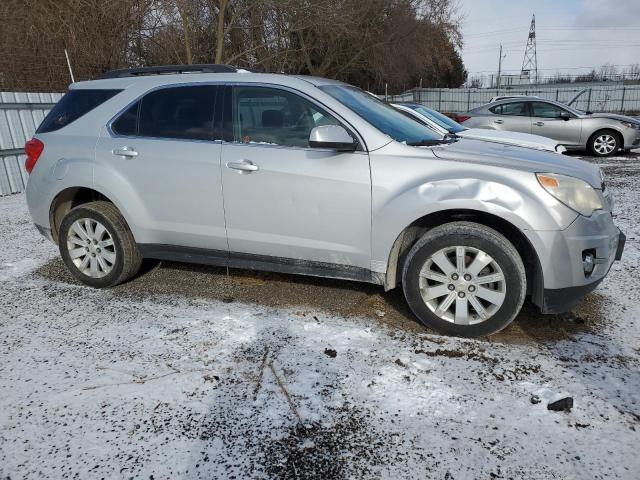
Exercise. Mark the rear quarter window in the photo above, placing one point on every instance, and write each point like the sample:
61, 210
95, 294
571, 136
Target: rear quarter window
73, 105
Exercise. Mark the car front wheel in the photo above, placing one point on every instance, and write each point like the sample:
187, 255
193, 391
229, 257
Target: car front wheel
464, 279
604, 143
97, 246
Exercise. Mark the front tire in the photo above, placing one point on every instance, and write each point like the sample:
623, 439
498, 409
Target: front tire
604, 143
97, 245
464, 279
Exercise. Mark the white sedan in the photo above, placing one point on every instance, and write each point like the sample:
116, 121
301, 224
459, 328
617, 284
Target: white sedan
446, 126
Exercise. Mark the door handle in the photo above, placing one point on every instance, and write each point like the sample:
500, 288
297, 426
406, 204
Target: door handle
498, 121
539, 124
125, 152
243, 166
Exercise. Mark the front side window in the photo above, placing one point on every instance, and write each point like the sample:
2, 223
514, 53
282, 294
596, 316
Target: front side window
382, 116
546, 110
276, 117
73, 105
513, 109
177, 112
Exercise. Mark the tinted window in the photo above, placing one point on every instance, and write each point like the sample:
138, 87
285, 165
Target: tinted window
73, 105
178, 112
546, 110
515, 108
382, 116
273, 116
127, 122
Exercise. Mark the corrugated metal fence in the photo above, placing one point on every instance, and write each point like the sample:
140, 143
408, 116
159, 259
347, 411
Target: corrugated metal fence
20, 114
458, 100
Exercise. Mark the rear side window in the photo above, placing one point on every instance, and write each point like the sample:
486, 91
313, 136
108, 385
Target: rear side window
73, 105
515, 108
127, 122
178, 112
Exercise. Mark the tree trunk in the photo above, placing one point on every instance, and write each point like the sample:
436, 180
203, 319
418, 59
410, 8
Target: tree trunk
187, 32
220, 31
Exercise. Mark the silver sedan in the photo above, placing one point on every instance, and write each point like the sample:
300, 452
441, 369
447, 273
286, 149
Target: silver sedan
602, 134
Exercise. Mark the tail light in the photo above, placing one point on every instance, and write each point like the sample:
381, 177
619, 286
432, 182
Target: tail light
33, 148
462, 118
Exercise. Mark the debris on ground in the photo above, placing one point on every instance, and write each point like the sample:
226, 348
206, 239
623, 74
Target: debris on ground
330, 352
562, 405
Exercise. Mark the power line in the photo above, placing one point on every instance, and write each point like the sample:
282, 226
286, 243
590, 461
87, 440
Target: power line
520, 29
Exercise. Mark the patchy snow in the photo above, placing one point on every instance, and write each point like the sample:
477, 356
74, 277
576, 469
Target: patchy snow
106, 383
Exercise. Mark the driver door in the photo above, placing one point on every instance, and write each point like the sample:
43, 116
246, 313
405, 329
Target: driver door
284, 200
546, 120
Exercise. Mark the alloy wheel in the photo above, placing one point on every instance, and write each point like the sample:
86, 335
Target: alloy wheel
91, 247
462, 285
604, 144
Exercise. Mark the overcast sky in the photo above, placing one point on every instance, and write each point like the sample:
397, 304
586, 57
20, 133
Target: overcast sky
570, 34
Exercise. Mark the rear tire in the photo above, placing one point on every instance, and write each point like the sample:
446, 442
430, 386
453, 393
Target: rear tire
454, 263
604, 143
97, 245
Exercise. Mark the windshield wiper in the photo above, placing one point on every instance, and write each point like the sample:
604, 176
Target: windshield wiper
429, 142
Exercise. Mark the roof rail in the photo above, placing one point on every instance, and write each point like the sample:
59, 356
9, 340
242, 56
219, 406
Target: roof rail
169, 69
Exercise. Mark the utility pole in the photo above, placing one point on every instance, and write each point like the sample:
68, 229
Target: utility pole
499, 67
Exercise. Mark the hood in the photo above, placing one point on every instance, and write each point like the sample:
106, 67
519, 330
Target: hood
613, 116
526, 159
511, 138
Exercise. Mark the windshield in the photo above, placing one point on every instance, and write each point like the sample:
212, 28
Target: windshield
442, 120
382, 116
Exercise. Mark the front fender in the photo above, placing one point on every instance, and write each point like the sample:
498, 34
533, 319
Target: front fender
403, 194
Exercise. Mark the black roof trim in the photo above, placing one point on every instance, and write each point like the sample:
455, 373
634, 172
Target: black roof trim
169, 69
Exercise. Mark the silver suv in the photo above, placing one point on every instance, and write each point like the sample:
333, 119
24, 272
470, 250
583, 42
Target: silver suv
315, 177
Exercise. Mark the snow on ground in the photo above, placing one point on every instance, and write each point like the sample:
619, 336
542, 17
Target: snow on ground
124, 383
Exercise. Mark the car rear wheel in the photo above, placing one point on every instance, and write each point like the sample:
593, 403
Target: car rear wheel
97, 245
464, 279
604, 143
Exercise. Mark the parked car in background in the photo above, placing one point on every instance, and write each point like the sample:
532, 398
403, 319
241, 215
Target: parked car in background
446, 126
601, 134
313, 176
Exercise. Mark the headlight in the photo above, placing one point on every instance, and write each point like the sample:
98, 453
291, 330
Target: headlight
635, 126
573, 192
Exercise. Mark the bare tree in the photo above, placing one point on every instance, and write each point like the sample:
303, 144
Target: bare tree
368, 43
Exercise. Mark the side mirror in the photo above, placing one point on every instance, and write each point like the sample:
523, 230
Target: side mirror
334, 137
565, 116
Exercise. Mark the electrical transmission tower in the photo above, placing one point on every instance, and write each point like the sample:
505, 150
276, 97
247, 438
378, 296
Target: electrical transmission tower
530, 62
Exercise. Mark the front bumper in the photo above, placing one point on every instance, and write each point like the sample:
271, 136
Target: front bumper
631, 138
559, 300
561, 253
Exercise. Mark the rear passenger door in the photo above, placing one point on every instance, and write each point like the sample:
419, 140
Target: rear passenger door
285, 200
162, 155
512, 116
